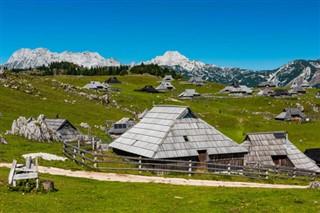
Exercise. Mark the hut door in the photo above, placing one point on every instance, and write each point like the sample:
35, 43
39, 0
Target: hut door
202, 159
282, 160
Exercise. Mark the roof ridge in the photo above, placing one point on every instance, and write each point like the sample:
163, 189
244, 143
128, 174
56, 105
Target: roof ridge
271, 132
181, 106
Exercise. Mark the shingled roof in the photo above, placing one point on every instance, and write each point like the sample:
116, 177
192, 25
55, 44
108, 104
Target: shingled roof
174, 132
262, 146
62, 126
289, 113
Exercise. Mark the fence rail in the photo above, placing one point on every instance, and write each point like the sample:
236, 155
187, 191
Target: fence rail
81, 154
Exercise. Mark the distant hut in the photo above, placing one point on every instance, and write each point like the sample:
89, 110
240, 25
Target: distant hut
275, 149
314, 154
164, 86
95, 85
196, 80
189, 94
168, 78
175, 132
237, 90
149, 89
305, 84
291, 114
297, 91
265, 92
63, 128
121, 126
113, 80
280, 93
267, 84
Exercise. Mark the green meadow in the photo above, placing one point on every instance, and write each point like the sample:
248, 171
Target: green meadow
232, 116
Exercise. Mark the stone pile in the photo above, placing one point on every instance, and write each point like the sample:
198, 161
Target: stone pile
36, 130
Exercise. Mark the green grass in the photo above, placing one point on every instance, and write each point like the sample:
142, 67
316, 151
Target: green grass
233, 117
84, 195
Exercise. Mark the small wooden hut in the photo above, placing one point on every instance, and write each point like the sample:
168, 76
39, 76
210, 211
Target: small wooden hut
95, 85
113, 80
63, 128
267, 84
314, 154
291, 114
168, 78
164, 86
189, 94
196, 80
275, 149
148, 89
280, 93
121, 126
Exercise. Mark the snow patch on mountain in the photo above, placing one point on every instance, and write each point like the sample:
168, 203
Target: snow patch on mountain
174, 58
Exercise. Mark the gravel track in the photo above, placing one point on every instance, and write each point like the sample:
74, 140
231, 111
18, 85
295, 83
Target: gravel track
154, 179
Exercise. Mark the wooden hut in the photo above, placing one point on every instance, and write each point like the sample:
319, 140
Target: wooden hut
314, 154
168, 78
121, 126
189, 94
63, 128
95, 85
267, 84
164, 86
113, 80
175, 132
280, 93
265, 92
275, 149
297, 91
196, 80
148, 89
291, 114
237, 90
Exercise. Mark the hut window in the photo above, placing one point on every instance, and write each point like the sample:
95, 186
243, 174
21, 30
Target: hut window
188, 114
186, 139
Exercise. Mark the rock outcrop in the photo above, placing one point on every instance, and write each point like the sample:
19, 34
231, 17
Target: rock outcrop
36, 130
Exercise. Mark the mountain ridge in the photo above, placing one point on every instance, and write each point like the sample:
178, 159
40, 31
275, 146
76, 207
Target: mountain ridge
295, 72
25, 58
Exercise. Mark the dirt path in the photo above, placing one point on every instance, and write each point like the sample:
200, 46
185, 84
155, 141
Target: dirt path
153, 179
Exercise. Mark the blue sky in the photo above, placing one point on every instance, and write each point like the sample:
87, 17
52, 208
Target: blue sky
254, 34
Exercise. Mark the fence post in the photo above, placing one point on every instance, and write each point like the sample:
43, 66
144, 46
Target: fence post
190, 168
294, 173
140, 166
229, 169
95, 163
313, 174
78, 146
92, 143
82, 155
277, 171
267, 174
74, 154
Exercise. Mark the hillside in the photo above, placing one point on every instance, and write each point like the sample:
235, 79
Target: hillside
24, 95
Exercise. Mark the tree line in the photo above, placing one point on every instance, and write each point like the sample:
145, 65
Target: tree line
67, 68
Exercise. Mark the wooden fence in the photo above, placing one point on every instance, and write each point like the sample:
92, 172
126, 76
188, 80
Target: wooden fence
83, 155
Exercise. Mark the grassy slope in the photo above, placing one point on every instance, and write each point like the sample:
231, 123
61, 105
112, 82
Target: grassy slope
83, 195
233, 117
